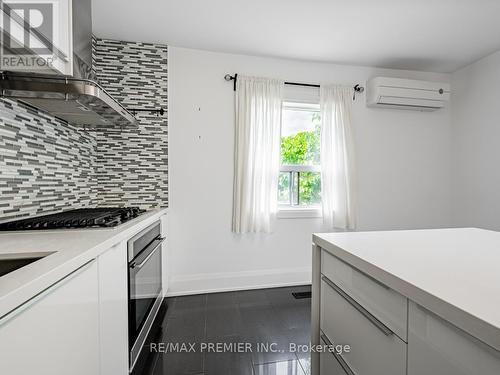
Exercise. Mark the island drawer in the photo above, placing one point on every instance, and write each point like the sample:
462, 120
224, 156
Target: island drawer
436, 346
328, 364
375, 349
385, 304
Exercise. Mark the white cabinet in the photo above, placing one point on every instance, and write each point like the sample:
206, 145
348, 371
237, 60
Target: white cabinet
56, 332
165, 254
437, 347
328, 364
372, 291
113, 310
375, 350
390, 307
358, 311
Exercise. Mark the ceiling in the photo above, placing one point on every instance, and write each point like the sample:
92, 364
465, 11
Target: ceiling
428, 35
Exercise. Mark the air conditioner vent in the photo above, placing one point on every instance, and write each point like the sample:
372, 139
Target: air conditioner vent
406, 94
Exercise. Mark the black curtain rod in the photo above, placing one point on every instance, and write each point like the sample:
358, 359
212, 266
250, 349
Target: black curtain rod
357, 88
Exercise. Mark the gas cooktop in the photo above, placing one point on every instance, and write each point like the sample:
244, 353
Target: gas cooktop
79, 218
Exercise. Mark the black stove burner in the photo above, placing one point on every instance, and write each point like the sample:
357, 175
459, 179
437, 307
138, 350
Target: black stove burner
80, 218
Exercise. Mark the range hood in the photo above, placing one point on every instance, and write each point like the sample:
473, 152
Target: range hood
70, 93
77, 101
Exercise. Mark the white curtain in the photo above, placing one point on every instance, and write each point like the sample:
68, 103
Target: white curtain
337, 175
257, 153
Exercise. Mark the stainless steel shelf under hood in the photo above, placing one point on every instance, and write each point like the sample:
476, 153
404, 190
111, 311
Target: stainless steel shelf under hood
77, 101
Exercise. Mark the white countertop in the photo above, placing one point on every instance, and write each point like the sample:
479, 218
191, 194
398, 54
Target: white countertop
454, 273
70, 248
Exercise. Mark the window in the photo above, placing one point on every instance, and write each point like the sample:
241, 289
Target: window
300, 178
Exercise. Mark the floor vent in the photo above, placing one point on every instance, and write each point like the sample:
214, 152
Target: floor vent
301, 295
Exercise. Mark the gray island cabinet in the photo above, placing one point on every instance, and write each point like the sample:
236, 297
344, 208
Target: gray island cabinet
407, 302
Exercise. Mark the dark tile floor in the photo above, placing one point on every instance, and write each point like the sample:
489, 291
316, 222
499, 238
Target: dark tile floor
270, 317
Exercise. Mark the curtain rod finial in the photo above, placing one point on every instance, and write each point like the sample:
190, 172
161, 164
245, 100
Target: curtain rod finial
359, 88
229, 77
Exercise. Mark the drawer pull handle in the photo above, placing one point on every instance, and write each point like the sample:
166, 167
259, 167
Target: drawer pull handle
337, 356
144, 261
377, 323
37, 297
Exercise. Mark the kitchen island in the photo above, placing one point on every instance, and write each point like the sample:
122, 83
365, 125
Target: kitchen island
407, 302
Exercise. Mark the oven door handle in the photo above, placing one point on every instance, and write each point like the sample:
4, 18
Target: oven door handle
135, 265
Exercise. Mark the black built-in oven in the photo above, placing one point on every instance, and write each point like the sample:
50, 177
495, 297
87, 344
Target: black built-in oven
145, 286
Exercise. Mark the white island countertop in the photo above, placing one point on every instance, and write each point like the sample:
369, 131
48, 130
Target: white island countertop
454, 273
69, 249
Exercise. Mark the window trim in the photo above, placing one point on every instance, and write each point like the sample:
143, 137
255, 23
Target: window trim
300, 168
296, 212
299, 106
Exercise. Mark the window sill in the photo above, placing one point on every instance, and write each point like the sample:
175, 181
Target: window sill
299, 213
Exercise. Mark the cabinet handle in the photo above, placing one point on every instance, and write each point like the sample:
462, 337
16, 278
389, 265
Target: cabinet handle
368, 315
134, 265
25, 305
337, 356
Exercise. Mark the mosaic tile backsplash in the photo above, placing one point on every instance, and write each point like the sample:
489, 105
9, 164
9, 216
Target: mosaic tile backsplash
132, 163
47, 165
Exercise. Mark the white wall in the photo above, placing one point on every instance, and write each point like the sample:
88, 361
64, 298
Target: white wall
476, 144
402, 170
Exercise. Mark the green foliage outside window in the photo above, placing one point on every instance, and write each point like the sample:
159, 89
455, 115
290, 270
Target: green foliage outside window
303, 148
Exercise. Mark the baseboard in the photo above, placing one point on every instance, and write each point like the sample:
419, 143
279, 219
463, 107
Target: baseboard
232, 281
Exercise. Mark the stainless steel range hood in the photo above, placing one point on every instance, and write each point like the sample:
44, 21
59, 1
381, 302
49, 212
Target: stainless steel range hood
77, 98
77, 101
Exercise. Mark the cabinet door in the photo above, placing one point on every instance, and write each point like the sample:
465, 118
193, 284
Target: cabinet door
56, 332
328, 364
113, 307
390, 307
373, 350
437, 347
165, 254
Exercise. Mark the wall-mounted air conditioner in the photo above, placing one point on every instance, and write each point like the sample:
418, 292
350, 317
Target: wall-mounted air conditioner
406, 94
